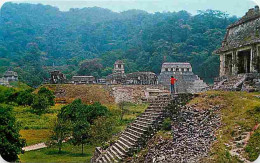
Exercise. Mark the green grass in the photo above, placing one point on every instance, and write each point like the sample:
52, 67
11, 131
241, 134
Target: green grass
35, 128
33, 136
238, 110
69, 153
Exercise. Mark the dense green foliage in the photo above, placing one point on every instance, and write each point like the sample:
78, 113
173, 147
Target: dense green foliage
10, 142
80, 116
42, 36
39, 102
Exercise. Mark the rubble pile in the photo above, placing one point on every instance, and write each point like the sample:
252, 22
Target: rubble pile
193, 133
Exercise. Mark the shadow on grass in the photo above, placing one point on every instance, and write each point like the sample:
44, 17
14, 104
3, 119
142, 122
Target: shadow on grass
67, 153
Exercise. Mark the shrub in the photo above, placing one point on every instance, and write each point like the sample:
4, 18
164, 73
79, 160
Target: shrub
166, 125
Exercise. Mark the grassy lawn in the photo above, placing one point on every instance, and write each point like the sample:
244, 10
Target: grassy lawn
35, 128
238, 110
69, 153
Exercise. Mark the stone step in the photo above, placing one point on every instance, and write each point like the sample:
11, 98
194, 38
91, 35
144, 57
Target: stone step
138, 129
107, 158
103, 159
111, 156
124, 145
140, 125
153, 117
133, 136
130, 139
121, 148
117, 157
152, 113
145, 119
135, 132
128, 142
143, 122
119, 152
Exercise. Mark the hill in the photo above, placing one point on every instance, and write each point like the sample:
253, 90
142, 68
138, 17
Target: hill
41, 38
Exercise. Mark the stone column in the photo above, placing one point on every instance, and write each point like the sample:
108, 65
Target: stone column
222, 65
234, 63
253, 59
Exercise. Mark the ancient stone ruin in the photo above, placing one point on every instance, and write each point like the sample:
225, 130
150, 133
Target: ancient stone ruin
83, 80
187, 82
9, 76
136, 78
57, 77
240, 54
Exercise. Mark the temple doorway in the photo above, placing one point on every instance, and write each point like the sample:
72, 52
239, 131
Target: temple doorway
244, 61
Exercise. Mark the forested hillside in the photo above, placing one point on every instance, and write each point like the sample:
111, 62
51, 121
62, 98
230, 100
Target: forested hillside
34, 38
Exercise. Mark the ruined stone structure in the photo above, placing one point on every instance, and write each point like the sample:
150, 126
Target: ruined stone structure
8, 76
240, 54
136, 78
141, 78
187, 80
119, 67
57, 77
240, 50
83, 80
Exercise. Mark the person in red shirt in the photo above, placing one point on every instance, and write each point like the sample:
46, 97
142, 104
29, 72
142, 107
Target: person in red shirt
173, 80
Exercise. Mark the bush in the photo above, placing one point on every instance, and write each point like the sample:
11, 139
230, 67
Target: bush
166, 125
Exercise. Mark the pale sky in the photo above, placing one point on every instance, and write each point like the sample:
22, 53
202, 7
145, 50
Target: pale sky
233, 7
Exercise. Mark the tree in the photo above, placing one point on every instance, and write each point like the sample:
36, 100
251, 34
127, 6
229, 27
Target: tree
81, 116
10, 140
48, 94
102, 129
25, 97
40, 104
61, 131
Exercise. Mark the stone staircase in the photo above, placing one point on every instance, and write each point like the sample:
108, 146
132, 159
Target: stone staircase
136, 134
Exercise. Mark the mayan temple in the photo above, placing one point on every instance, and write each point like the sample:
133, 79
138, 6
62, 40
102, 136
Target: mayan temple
187, 82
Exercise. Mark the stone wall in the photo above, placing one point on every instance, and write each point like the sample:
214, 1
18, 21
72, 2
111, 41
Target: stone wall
131, 93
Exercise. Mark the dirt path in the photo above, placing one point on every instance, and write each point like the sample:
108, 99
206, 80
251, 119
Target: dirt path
34, 147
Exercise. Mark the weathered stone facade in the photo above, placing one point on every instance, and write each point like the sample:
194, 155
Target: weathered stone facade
240, 50
57, 77
187, 81
83, 80
136, 78
8, 76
